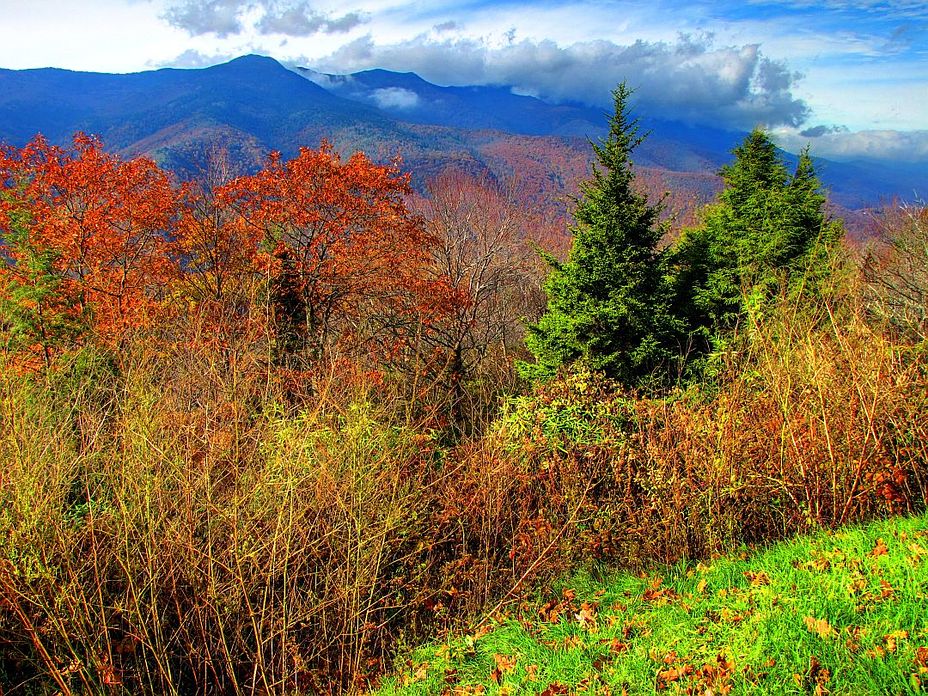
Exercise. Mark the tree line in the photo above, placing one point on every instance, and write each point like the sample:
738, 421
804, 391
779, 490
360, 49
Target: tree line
335, 256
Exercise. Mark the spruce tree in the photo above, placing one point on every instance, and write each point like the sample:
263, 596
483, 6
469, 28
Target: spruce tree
812, 234
768, 230
34, 312
608, 304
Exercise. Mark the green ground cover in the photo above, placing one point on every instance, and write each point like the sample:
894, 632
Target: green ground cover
841, 612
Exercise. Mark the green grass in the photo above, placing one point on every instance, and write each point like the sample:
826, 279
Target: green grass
843, 612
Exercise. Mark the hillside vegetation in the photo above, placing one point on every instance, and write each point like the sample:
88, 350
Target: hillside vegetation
258, 432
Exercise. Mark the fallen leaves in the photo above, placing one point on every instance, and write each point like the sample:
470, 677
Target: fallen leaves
921, 657
551, 611
586, 617
879, 549
659, 595
892, 639
757, 579
419, 673
673, 674
712, 678
815, 679
531, 673
606, 628
616, 646
820, 627
505, 664
468, 690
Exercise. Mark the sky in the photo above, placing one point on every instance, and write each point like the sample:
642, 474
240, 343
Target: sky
848, 77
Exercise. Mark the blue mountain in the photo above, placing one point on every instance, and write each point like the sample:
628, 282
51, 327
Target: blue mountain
253, 105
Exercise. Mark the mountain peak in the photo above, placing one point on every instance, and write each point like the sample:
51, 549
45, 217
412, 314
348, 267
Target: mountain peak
253, 59
253, 65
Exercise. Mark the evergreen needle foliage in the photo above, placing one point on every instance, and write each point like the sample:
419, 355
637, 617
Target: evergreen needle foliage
608, 305
768, 231
33, 315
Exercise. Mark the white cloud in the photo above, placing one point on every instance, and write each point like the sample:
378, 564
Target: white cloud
689, 79
841, 144
191, 58
395, 98
226, 18
220, 17
299, 19
862, 60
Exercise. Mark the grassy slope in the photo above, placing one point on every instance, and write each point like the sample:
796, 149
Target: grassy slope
841, 613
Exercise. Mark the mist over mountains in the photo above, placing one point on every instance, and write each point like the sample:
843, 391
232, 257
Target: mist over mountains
253, 105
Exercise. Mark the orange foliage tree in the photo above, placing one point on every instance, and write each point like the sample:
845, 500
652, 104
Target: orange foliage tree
218, 250
346, 258
94, 227
318, 253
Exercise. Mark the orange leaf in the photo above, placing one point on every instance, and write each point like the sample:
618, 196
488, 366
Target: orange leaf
820, 627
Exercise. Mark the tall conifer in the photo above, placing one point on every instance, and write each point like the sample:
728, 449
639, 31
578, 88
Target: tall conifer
768, 230
608, 305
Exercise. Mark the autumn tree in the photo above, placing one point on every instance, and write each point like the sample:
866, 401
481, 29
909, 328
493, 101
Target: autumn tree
481, 251
98, 227
608, 304
896, 269
216, 246
346, 257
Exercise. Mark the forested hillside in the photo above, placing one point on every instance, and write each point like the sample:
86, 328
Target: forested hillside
254, 105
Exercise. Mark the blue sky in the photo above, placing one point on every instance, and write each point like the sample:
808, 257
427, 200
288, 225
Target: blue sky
849, 77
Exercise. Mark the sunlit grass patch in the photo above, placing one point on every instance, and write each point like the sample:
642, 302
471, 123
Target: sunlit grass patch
839, 612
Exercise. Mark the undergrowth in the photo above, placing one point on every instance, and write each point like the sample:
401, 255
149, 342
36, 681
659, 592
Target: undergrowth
177, 519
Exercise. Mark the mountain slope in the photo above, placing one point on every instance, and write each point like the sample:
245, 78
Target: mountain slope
407, 97
254, 104
175, 115
672, 145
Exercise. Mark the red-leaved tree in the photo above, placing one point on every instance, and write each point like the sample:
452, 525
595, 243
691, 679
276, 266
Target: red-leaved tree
346, 258
96, 228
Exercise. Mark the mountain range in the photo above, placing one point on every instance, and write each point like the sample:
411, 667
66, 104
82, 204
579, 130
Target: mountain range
253, 104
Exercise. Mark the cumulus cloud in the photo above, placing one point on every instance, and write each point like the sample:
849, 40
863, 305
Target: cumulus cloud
299, 19
688, 79
842, 144
229, 17
395, 98
220, 17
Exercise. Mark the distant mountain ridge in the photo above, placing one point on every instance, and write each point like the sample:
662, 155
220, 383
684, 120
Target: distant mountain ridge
253, 104
408, 97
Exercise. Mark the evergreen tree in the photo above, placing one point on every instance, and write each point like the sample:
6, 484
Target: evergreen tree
608, 305
812, 233
34, 311
768, 230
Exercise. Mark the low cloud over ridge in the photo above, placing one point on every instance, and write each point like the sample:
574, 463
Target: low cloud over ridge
842, 144
395, 98
689, 79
